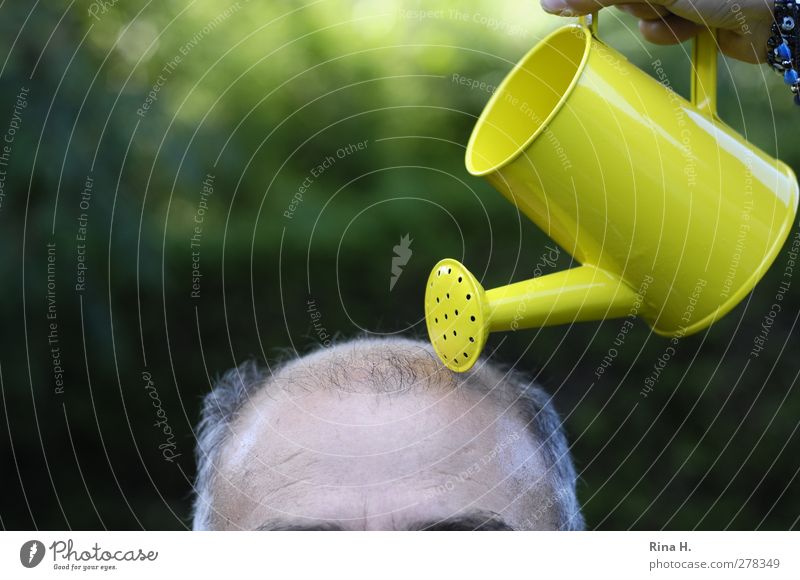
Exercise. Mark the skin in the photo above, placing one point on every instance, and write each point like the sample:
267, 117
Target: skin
744, 25
353, 459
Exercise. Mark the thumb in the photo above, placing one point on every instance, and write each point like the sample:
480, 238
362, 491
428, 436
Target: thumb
715, 13
581, 7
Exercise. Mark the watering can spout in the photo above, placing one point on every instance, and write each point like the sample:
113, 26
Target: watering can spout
460, 313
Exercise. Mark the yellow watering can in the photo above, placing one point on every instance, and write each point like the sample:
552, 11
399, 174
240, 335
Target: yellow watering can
673, 216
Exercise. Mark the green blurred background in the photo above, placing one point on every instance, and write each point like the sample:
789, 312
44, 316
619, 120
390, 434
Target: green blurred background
262, 94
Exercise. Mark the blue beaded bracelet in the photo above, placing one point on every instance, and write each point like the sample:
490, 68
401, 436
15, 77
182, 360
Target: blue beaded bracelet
783, 46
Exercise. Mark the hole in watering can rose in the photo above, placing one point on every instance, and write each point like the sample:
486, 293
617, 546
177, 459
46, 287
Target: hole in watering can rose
455, 360
437, 299
468, 296
459, 279
466, 355
472, 318
449, 270
471, 339
456, 312
445, 316
444, 336
448, 295
454, 333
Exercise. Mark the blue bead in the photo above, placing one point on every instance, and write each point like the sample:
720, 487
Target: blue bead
790, 76
783, 51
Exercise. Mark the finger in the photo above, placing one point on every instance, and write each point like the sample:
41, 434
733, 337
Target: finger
669, 30
746, 47
644, 11
673, 29
580, 7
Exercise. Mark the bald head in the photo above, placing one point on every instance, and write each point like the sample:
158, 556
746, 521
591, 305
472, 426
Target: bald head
377, 434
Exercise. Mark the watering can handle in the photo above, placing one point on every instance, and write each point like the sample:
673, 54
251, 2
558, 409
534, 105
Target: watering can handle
704, 66
704, 71
590, 22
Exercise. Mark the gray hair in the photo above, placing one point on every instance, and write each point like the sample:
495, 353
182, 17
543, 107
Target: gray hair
394, 365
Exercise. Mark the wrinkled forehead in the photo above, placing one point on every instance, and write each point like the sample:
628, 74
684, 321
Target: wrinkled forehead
358, 450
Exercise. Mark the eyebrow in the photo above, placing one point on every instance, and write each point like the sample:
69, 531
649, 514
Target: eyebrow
482, 521
292, 526
479, 521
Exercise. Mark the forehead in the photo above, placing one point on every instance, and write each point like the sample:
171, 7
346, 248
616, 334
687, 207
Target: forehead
376, 461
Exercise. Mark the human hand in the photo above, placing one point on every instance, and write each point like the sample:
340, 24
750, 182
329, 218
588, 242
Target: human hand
744, 25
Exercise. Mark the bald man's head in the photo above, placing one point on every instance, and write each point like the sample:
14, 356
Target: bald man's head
377, 434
